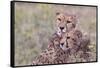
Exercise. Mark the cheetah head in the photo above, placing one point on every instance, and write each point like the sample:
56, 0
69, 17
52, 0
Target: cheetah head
65, 22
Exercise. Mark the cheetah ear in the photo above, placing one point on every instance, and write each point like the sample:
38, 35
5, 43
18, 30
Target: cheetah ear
57, 13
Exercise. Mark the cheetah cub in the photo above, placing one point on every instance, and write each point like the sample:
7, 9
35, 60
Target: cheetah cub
75, 41
71, 40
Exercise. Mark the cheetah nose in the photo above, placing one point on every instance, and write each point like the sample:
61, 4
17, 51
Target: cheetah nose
68, 21
67, 45
62, 44
61, 28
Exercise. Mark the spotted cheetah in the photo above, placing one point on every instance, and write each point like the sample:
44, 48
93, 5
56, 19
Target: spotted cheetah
65, 22
75, 42
71, 40
51, 56
65, 42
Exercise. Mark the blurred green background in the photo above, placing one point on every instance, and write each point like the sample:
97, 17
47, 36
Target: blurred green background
35, 24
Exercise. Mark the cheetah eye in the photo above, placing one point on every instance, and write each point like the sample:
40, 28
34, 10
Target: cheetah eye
68, 37
68, 21
59, 19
